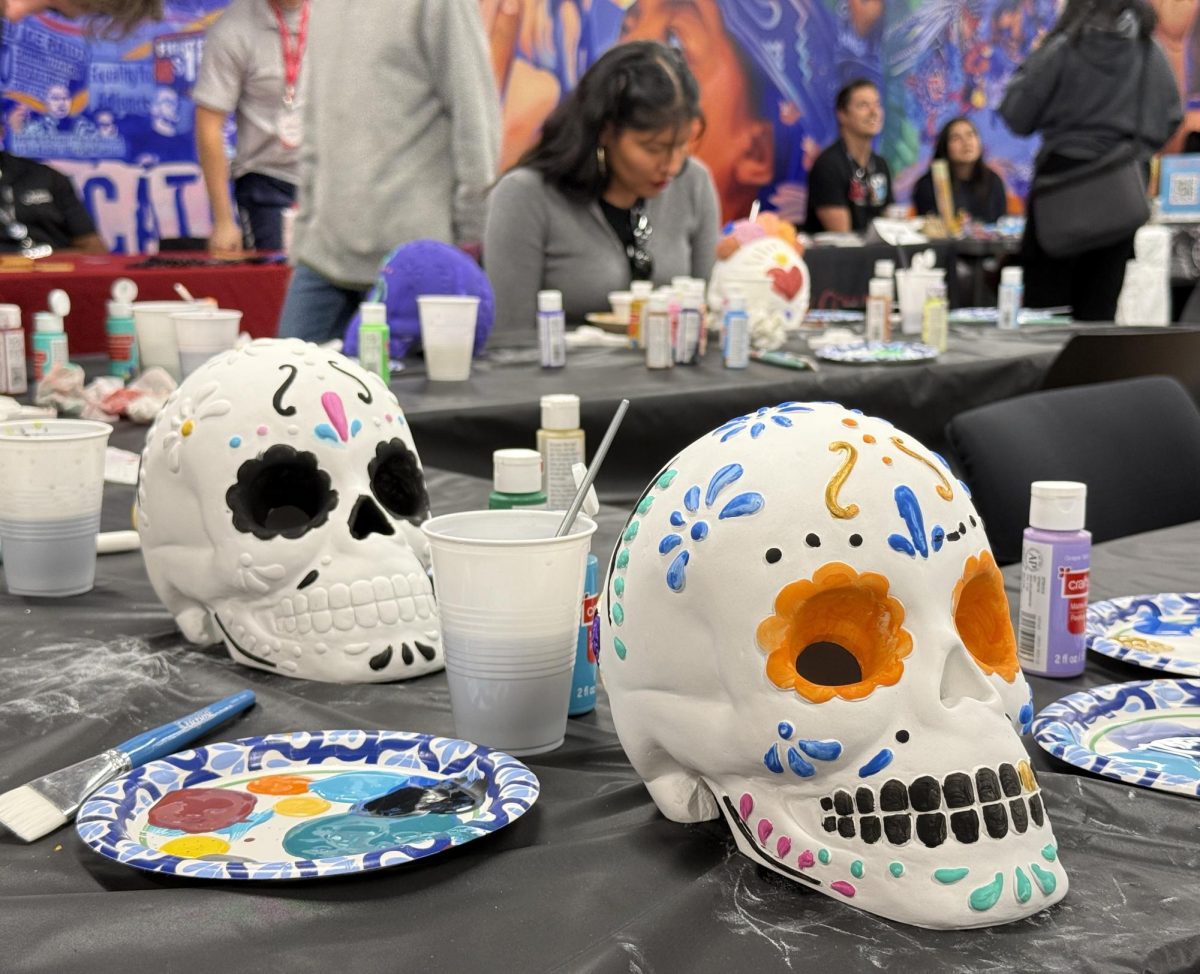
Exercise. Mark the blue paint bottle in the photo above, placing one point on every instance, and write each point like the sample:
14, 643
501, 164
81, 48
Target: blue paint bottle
1055, 564
583, 683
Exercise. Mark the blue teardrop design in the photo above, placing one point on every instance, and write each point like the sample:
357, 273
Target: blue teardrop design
756, 429
938, 537
940, 459
966, 489
720, 480
781, 421
733, 432
699, 531
821, 750
675, 573
1025, 715
742, 505
691, 500
669, 543
793, 407
876, 764
355, 428
677, 520
799, 765
771, 760
326, 432
903, 545
786, 730
910, 510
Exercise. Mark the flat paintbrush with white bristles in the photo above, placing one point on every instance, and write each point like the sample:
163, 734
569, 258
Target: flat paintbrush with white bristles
51, 801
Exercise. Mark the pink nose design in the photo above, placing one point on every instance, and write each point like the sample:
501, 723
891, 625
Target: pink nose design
336, 413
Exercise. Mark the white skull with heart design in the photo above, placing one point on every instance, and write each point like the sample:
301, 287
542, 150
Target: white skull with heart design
805, 632
279, 504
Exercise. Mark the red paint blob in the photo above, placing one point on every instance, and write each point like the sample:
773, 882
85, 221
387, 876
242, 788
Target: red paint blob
201, 809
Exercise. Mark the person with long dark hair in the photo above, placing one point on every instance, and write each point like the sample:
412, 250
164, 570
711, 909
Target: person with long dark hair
608, 194
977, 188
1097, 81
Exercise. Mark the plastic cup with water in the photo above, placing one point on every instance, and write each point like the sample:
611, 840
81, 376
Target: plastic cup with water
448, 335
202, 333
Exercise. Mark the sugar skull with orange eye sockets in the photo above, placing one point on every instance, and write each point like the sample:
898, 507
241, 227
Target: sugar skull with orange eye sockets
805, 632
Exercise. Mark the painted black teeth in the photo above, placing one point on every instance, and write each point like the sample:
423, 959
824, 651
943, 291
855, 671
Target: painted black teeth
961, 807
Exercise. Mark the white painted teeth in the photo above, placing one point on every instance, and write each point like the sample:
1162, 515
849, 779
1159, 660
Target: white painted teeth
364, 604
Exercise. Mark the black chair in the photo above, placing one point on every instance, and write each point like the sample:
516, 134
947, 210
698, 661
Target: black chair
1135, 443
1122, 353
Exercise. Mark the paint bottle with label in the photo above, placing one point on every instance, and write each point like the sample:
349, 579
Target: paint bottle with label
13, 378
641, 291
49, 343
583, 681
691, 323
934, 318
516, 481
119, 335
735, 331
1010, 297
560, 441
374, 338
1055, 563
552, 329
657, 332
879, 310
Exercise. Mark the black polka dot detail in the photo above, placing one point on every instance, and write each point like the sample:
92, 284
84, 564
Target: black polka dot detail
812, 541
855, 540
902, 736
773, 555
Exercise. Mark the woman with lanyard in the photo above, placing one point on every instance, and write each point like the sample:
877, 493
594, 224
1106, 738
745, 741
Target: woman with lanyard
251, 67
608, 194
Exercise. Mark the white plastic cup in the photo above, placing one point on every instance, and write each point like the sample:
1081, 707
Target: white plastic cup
508, 594
51, 485
621, 303
203, 333
156, 334
448, 335
911, 288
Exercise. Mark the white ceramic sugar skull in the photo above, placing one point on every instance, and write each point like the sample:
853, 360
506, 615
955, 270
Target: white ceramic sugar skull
279, 504
805, 632
770, 259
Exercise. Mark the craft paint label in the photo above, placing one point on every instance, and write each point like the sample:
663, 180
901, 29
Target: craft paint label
1053, 612
583, 681
13, 379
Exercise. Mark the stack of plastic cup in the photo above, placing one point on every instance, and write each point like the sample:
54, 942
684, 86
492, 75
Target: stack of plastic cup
447, 335
508, 593
51, 485
156, 334
202, 333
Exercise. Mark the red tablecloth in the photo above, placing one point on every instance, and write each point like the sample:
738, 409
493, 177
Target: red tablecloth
256, 290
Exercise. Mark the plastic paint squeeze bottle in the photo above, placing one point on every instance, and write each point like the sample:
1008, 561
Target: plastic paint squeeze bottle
49, 343
552, 329
735, 333
13, 379
934, 324
657, 333
879, 310
691, 323
641, 291
583, 679
1010, 296
560, 441
1055, 563
516, 480
374, 338
120, 333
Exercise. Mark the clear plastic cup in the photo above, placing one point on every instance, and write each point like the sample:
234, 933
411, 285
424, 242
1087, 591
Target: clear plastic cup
508, 594
911, 288
51, 485
203, 333
447, 335
156, 334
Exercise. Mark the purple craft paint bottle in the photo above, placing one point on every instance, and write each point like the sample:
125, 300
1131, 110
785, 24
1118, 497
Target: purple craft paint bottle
1054, 580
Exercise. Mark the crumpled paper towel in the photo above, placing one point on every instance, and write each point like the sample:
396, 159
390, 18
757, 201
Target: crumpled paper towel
106, 398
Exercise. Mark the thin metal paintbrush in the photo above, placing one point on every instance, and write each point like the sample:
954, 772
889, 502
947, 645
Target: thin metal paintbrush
49, 802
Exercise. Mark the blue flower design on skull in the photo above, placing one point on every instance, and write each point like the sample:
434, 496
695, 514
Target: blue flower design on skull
757, 421
741, 505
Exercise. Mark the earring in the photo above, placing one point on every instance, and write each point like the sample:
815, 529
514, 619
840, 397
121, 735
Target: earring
601, 161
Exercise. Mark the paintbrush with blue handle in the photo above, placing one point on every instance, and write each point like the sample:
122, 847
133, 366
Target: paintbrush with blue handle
51, 801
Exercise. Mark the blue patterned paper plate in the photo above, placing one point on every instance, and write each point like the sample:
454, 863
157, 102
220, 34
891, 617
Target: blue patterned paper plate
305, 805
833, 316
1159, 632
1145, 733
877, 353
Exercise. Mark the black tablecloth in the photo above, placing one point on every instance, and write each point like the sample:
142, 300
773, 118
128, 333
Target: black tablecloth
593, 879
838, 276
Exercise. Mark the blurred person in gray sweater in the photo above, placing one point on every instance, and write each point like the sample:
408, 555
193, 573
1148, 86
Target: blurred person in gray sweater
401, 136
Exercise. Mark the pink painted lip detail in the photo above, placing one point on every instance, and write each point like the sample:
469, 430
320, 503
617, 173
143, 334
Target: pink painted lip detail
806, 859
336, 413
843, 887
746, 805
784, 846
765, 828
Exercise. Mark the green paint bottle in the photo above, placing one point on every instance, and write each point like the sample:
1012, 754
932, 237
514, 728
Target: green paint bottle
373, 339
516, 480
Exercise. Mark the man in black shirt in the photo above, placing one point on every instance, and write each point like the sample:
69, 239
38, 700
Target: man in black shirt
39, 205
850, 185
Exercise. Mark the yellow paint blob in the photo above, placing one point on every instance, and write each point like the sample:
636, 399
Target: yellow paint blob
195, 846
186, 428
304, 806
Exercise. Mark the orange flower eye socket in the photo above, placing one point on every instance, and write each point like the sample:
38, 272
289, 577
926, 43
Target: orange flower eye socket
838, 634
981, 615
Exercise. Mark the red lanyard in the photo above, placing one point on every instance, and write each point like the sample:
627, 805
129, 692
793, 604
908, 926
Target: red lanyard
293, 50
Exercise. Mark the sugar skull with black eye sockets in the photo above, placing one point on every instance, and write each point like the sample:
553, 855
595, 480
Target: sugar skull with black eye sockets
805, 632
279, 504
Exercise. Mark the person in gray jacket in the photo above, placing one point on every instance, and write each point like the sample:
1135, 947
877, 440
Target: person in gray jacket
1083, 91
608, 195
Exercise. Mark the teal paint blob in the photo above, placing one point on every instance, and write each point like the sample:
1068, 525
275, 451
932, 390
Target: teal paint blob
623, 559
645, 505
987, 896
1049, 853
619, 647
856, 869
618, 613
1024, 887
948, 876
824, 856
619, 587
358, 786
355, 835
896, 869
667, 479
1044, 878
235, 441
631, 531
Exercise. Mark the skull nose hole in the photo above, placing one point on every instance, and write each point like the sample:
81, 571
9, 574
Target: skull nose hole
963, 680
828, 665
366, 518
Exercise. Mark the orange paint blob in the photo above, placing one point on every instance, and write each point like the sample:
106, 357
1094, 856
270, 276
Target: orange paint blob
887, 461
279, 784
981, 616
852, 423
868, 438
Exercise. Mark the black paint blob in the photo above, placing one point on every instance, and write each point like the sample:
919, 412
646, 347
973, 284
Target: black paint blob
855, 540
773, 555
902, 736
812, 540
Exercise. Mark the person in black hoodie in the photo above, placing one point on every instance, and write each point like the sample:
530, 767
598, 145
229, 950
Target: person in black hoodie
1083, 91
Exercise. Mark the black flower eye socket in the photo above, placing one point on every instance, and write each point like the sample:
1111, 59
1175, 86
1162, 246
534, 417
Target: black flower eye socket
397, 481
281, 493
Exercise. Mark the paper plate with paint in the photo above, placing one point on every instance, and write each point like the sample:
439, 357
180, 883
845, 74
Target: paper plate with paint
1026, 316
305, 805
1159, 632
832, 316
877, 353
1145, 733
